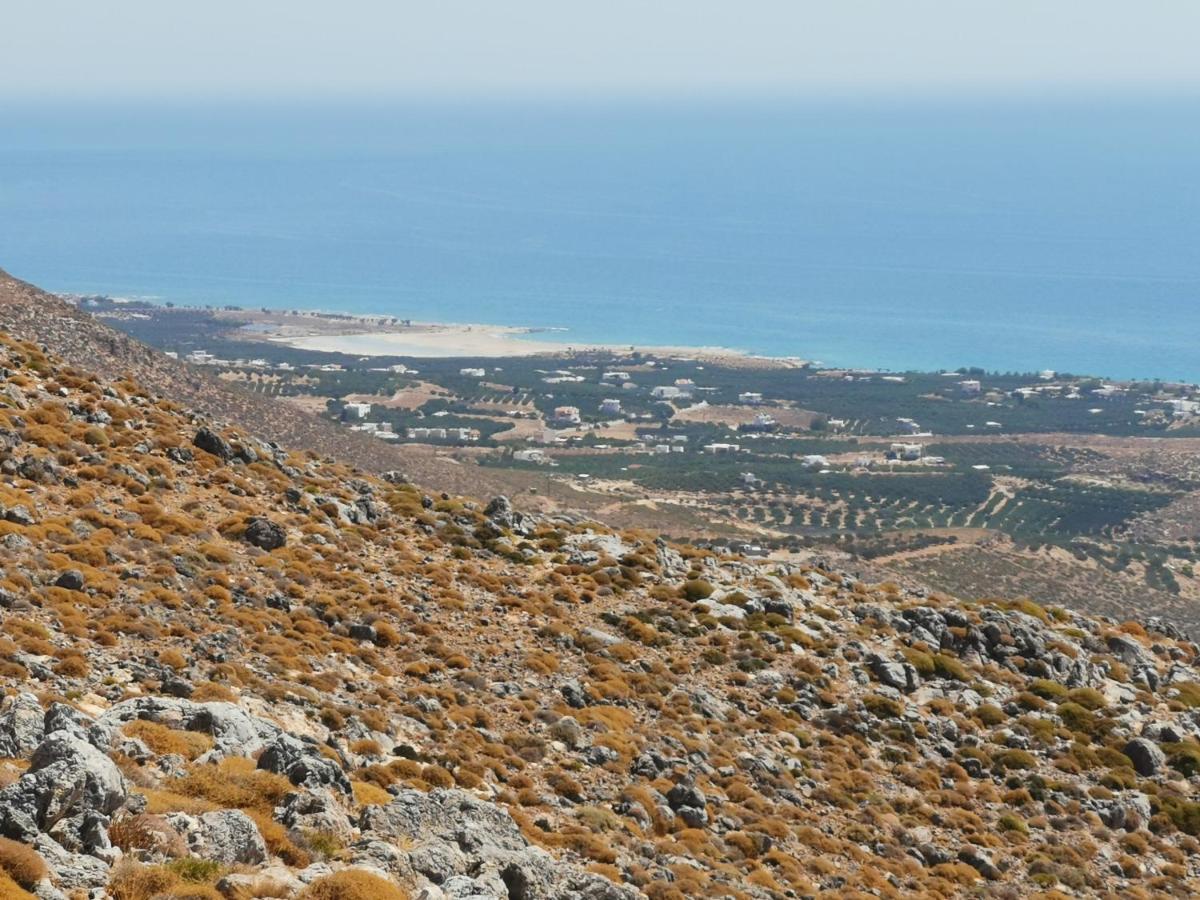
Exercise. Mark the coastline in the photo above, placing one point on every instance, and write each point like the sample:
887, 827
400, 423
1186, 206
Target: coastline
446, 341
363, 335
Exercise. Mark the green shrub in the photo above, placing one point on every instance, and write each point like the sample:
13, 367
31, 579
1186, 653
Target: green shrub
919, 660
1088, 698
949, 667
1184, 757
1183, 814
1047, 689
882, 707
1076, 717
1011, 822
199, 871
990, 714
1188, 693
1015, 759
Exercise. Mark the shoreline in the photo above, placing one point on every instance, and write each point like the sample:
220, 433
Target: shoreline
446, 341
377, 335
373, 335
381, 335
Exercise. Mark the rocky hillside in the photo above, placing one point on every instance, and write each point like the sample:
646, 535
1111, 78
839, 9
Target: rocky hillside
236, 670
29, 313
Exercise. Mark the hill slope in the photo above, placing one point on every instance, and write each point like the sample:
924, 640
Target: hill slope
234, 667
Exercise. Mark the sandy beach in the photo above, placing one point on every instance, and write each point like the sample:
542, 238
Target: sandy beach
429, 340
495, 341
364, 335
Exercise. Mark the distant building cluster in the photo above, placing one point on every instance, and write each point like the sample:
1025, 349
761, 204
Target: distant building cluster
465, 435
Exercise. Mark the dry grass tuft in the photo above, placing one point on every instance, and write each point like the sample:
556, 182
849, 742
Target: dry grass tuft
163, 740
21, 863
352, 884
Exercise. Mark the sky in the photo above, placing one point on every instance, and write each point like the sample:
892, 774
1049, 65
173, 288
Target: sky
126, 49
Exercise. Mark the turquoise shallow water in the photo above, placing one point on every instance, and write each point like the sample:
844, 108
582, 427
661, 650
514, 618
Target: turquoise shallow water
1013, 236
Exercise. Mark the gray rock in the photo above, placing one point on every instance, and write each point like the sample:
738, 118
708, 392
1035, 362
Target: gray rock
500, 511
60, 717
608, 639
315, 810
234, 731
382, 856
71, 871
980, 861
19, 515
211, 442
242, 884
1162, 732
225, 835
71, 580
1146, 756
682, 795
463, 887
265, 534
84, 832
439, 861
66, 777
574, 694
302, 764
1129, 651
901, 676
598, 755
21, 726
444, 815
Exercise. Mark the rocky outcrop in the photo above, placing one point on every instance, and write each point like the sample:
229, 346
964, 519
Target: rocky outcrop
21, 726
302, 764
69, 782
227, 836
474, 849
234, 731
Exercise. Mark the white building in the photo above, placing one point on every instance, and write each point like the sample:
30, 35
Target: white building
666, 392
719, 449
472, 373
610, 407
615, 376
532, 456
907, 452
750, 398
356, 410
970, 386
566, 415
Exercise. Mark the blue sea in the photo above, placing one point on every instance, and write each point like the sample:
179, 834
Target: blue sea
1013, 235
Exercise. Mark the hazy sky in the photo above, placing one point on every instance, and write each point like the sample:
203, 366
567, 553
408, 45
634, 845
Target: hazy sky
118, 48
